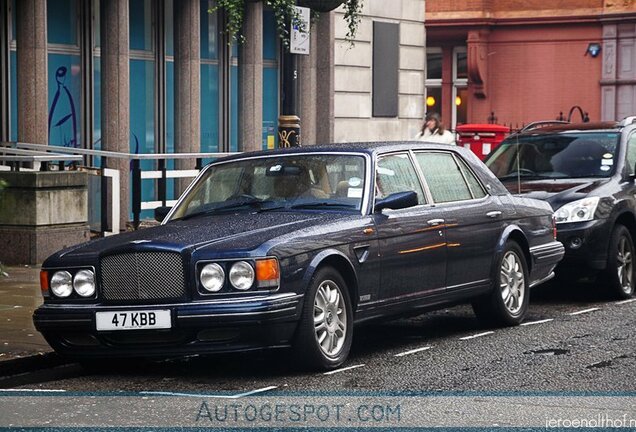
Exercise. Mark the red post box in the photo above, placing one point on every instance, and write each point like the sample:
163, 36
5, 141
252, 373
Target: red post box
481, 138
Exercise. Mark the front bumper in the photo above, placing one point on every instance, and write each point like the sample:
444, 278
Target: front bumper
586, 243
222, 325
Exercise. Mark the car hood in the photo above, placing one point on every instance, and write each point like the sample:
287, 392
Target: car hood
237, 231
557, 192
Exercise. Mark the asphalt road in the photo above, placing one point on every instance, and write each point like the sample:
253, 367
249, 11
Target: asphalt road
574, 339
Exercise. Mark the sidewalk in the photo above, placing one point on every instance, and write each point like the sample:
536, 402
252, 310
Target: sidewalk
19, 296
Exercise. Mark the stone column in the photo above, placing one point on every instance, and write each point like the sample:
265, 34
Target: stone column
31, 39
115, 90
187, 82
325, 88
308, 89
250, 98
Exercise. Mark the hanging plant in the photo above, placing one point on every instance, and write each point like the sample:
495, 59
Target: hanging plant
285, 12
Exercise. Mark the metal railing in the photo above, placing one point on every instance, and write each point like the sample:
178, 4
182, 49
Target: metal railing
16, 154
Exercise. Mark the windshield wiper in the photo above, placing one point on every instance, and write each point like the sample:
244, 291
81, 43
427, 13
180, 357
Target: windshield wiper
525, 176
321, 204
256, 202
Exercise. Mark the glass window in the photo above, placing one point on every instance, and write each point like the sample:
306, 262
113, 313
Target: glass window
476, 188
395, 173
62, 21
209, 33
434, 99
443, 176
169, 27
270, 80
461, 105
292, 181
566, 155
140, 25
14, 95
13, 20
461, 65
631, 153
434, 65
64, 87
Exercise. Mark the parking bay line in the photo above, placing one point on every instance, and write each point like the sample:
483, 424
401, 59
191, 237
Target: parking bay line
537, 322
583, 311
626, 301
413, 351
476, 335
211, 396
343, 369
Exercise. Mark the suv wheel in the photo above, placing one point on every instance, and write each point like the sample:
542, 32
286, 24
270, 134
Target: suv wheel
620, 263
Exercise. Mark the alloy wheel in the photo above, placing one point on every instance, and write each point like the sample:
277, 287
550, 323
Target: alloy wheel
625, 265
512, 282
330, 318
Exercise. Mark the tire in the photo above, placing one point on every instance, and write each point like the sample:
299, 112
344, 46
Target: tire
619, 274
325, 331
507, 303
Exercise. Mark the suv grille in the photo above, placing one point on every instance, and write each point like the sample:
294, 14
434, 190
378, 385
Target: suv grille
143, 276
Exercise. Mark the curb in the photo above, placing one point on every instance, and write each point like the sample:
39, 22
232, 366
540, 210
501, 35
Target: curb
28, 364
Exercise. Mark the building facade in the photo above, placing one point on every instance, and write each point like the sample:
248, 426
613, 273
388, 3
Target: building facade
513, 62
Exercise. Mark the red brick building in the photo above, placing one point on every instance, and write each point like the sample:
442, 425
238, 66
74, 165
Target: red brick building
527, 60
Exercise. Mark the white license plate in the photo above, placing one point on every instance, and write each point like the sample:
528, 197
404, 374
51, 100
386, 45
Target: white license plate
133, 320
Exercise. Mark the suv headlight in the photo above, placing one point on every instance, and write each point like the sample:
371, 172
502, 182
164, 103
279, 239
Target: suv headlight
577, 211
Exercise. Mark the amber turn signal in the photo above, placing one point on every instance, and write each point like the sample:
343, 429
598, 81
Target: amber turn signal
267, 272
44, 280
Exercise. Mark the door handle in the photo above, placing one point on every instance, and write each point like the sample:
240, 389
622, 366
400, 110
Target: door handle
493, 214
435, 222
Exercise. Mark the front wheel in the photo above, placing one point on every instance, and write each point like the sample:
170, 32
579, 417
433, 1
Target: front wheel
620, 263
507, 304
325, 331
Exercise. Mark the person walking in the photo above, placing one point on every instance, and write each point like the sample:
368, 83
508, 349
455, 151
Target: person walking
433, 131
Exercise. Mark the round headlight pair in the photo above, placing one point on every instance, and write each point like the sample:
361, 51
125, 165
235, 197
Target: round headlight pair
241, 276
63, 284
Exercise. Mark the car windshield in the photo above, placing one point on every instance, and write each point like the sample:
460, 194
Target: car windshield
308, 181
551, 156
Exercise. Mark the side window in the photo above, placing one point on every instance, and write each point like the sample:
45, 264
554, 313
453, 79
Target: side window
443, 176
395, 173
631, 153
475, 187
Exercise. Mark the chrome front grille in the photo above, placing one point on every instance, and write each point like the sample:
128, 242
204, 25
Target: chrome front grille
142, 276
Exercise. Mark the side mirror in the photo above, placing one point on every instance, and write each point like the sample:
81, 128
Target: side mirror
161, 213
396, 201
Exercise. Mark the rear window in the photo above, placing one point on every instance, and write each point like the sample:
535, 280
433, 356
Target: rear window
565, 155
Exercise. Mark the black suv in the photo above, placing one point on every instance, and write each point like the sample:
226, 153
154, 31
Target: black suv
587, 172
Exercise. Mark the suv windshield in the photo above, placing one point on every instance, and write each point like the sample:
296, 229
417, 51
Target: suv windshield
563, 155
310, 181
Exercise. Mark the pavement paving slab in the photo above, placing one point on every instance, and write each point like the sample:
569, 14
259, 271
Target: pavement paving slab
19, 297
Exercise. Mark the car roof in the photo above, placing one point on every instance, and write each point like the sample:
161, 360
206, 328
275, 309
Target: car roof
369, 148
607, 126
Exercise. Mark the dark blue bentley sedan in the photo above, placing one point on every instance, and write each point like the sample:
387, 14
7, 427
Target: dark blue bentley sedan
293, 247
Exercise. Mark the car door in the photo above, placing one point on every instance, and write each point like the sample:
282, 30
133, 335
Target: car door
473, 219
411, 240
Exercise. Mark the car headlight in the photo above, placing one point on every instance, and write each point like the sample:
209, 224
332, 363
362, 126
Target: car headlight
212, 277
242, 276
84, 283
577, 211
62, 284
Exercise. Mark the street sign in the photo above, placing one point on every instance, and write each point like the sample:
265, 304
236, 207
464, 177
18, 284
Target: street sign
299, 41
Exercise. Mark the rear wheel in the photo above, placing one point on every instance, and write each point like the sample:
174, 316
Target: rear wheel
325, 331
620, 263
507, 304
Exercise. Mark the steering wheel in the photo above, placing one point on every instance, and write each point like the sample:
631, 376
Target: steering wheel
525, 171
